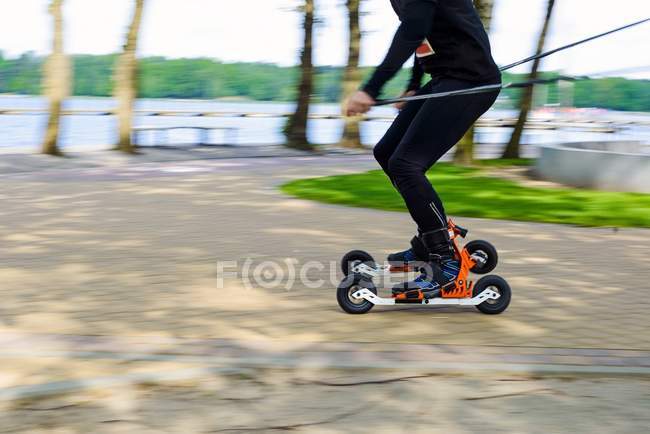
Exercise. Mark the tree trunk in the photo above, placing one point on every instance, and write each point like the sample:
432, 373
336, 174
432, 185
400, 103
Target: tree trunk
352, 76
513, 148
56, 82
464, 154
296, 127
125, 81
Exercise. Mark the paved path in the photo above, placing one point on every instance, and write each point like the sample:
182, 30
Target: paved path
133, 250
110, 278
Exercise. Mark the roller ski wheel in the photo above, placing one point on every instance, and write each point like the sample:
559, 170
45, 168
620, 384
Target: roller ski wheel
347, 301
498, 285
484, 254
356, 257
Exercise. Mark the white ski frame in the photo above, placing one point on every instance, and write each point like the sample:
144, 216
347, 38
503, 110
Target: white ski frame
487, 294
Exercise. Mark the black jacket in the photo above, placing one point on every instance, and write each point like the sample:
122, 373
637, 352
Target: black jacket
450, 41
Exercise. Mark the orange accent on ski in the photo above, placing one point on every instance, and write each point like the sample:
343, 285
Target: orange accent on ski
403, 296
401, 269
461, 288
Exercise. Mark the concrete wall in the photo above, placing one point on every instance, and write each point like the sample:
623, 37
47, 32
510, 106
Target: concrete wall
615, 166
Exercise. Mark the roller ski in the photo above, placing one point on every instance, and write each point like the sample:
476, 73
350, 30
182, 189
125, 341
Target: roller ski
444, 270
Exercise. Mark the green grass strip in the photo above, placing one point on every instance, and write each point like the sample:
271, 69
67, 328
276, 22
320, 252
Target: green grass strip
469, 192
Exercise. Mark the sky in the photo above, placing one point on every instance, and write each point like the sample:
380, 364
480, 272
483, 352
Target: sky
269, 30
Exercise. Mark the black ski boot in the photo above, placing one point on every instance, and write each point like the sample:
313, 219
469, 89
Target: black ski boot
440, 270
417, 252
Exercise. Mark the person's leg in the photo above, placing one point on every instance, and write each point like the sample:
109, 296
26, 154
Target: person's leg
393, 136
438, 125
385, 148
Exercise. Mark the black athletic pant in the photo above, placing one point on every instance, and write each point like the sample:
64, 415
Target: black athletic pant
420, 135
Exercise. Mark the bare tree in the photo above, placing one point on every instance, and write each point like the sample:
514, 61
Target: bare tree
513, 148
296, 127
465, 148
125, 81
57, 81
352, 75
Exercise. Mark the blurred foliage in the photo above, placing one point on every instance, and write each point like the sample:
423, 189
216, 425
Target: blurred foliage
620, 94
470, 192
92, 75
21, 75
206, 78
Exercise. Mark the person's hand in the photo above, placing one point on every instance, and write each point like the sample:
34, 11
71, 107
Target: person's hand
359, 103
401, 105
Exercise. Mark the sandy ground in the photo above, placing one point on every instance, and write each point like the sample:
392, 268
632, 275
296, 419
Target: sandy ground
330, 402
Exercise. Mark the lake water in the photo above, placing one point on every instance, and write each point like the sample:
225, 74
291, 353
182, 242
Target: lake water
23, 133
